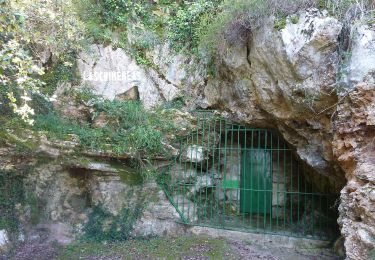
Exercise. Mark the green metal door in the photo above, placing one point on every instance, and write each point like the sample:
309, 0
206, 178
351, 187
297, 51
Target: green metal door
256, 181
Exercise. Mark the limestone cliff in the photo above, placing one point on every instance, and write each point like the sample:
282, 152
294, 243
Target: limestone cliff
292, 80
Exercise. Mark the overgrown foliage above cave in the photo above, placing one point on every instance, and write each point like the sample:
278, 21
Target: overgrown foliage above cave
195, 26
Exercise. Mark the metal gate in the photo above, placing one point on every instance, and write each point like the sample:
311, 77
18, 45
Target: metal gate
234, 177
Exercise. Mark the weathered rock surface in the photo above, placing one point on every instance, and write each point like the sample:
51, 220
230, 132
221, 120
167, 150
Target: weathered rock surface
62, 191
288, 80
355, 151
183, 174
362, 67
159, 217
188, 212
193, 154
285, 80
181, 70
131, 94
281, 76
112, 72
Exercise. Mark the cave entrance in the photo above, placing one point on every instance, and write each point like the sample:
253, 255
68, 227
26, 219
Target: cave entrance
236, 177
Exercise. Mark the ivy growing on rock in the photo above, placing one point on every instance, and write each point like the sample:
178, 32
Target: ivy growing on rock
11, 195
104, 226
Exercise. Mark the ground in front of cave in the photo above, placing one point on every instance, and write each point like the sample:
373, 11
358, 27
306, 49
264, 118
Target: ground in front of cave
184, 247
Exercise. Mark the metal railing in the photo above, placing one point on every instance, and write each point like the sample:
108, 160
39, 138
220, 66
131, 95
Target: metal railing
233, 177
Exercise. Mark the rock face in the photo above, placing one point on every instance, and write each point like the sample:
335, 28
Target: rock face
355, 151
131, 94
287, 80
112, 73
362, 55
160, 217
63, 192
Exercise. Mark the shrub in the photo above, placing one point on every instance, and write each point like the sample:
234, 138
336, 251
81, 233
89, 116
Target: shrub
18, 71
123, 114
139, 25
60, 128
28, 28
64, 70
237, 19
129, 128
144, 138
109, 21
183, 29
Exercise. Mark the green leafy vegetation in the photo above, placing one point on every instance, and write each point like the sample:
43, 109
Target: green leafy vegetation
18, 71
126, 128
139, 25
280, 23
15, 132
59, 128
60, 72
123, 114
202, 28
99, 139
185, 28
29, 30
127, 24
50, 26
143, 128
35, 212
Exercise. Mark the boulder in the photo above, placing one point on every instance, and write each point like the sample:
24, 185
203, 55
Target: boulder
131, 94
201, 184
194, 154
